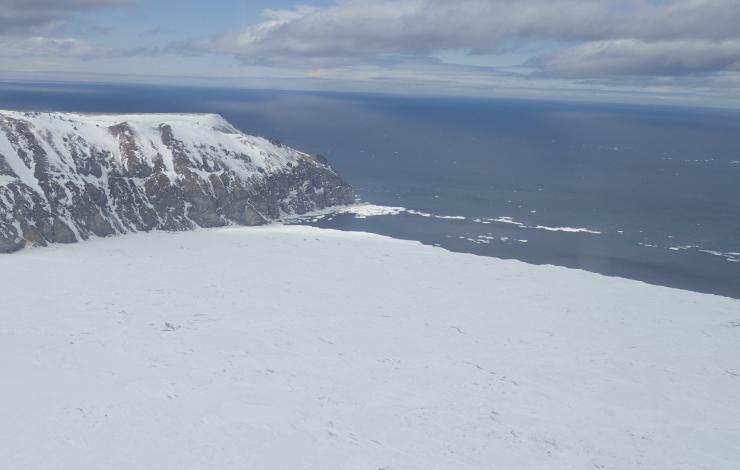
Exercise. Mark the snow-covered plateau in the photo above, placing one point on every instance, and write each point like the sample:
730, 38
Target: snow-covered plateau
66, 177
291, 347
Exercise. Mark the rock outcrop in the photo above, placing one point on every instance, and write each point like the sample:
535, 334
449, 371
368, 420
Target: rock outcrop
67, 177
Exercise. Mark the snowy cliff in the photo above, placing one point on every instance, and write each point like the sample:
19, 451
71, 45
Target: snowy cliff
66, 177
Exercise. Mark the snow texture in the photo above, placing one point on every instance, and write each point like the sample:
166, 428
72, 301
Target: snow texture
281, 347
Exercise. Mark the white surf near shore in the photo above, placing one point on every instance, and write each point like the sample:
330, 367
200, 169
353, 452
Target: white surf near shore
365, 210
291, 347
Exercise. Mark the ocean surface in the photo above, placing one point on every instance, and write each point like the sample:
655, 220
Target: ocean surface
647, 193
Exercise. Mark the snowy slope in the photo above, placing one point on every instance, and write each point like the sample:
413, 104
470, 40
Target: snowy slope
298, 348
66, 176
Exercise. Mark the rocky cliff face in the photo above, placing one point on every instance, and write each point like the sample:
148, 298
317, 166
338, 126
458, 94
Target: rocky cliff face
67, 177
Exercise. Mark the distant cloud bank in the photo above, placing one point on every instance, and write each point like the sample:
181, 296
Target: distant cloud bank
668, 48
593, 37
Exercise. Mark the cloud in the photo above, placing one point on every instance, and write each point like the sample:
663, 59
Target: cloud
480, 47
361, 32
39, 28
635, 57
34, 16
35, 47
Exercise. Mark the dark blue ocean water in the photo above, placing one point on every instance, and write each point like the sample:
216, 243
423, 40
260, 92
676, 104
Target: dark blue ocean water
661, 186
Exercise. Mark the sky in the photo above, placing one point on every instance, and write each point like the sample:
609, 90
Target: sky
652, 51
